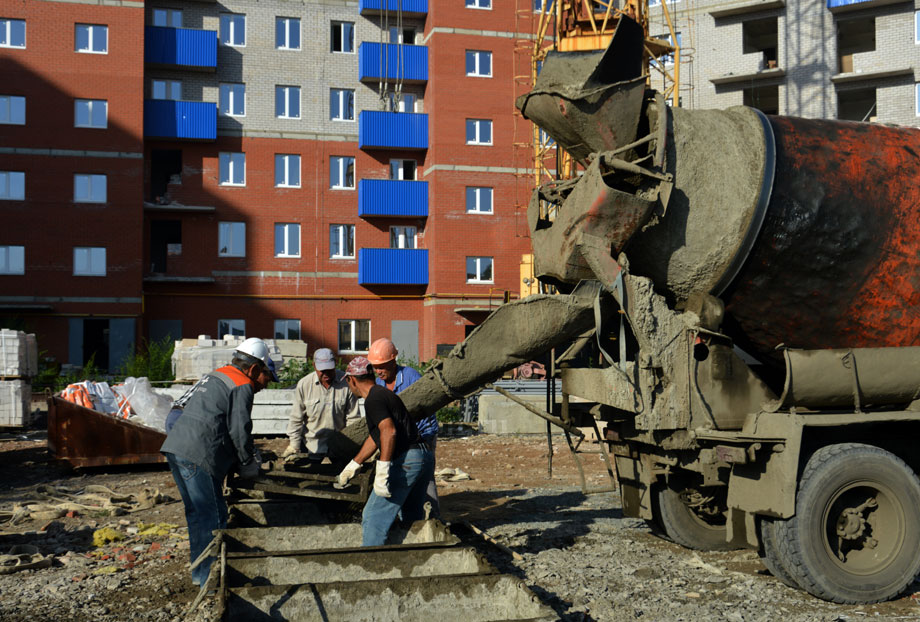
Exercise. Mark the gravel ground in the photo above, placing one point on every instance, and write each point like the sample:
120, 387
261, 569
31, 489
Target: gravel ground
579, 555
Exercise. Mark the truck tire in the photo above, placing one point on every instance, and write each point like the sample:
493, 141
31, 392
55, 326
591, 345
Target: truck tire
856, 531
686, 526
769, 552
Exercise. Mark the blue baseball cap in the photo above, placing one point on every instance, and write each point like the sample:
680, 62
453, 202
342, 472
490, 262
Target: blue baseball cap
271, 368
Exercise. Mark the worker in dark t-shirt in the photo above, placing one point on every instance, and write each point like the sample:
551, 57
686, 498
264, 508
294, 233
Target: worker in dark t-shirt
405, 464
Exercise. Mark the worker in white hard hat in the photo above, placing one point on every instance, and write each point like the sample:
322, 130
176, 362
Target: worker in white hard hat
322, 405
214, 435
390, 374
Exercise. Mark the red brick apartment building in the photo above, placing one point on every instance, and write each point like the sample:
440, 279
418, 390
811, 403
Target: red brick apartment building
321, 170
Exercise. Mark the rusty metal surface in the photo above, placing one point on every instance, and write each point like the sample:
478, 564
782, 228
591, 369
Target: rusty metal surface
318, 485
836, 264
84, 437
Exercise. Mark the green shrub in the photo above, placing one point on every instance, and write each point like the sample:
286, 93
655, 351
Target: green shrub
152, 359
449, 414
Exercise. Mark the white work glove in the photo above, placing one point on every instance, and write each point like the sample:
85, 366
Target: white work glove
253, 467
290, 451
347, 473
382, 479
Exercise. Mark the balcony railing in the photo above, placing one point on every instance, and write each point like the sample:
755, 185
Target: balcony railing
414, 8
392, 130
394, 198
392, 61
392, 266
181, 47
165, 118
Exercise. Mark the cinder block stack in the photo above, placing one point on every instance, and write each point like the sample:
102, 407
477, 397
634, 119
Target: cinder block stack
18, 363
193, 358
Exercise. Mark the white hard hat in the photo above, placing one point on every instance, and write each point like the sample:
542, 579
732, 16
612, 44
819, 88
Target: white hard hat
256, 348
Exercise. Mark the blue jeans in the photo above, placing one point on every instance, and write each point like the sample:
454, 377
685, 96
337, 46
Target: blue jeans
205, 509
410, 473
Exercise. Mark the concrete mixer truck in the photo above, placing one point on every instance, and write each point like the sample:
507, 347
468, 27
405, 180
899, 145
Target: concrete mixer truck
749, 286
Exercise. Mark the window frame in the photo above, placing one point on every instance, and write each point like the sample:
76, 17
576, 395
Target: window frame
286, 331
917, 27
90, 38
476, 194
167, 88
475, 4
8, 22
230, 324
343, 172
342, 37
477, 123
229, 157
287, 33
230, 19
401, 163
287, 89
9, 108
227, 92
9, 186
917, 99
342, 239
170, 13
91, 260
283, 158
353, 331
5, 258
414, 237
342, 95
282, 227
479, 270
92, 105
91, 178
476, 72
227, 227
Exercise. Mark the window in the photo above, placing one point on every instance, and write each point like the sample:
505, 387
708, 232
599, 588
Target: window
479, 63
342, 241
287, 33
89, 261
90, 113
857, 105
342, 104
405, 103
478, 269
233, 29
759, 36
342, 172
12, 33
171, 18
287, 170
478, 132
479, 4
231, 239
478, 200
354, 336
232, 169
343, 37
12, 186
917, 99
233, 100
287, 102
287, 239
538, 5
12, 259
402, 170
12, 110
668, 59
237, 328
287, 329
92, 39
89, 188
167, 89
403, 237
917, 27
402, 35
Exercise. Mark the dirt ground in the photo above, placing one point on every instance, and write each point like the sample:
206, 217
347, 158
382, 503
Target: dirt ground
145, 576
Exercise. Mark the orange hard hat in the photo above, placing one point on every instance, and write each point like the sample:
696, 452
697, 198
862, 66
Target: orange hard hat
382, 351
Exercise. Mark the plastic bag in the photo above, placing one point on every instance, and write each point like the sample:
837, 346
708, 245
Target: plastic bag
151, 407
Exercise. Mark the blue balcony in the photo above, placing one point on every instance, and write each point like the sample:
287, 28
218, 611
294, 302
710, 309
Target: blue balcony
392, 266
393, 198
165, 118
839, 6
411, 8
183, 48
392, 130
409, 62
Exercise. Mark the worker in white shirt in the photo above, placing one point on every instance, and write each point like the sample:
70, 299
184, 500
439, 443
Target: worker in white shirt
322, 404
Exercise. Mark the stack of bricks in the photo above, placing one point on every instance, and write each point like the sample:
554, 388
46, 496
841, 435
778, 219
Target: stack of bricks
18, 364
193, 358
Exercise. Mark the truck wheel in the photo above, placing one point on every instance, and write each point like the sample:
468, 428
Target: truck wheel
856, 531
689, 520
769, 552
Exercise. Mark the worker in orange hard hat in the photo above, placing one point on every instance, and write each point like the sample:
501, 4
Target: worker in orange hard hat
396, 378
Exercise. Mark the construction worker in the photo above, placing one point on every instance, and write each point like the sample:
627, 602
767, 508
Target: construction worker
322, 404
397, 378
213, 435
405, 464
